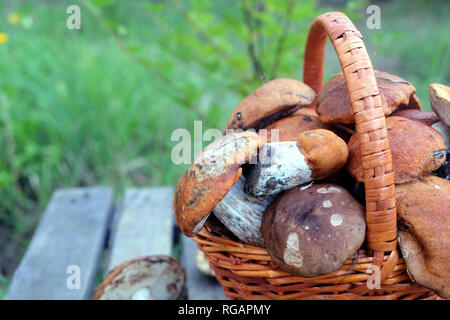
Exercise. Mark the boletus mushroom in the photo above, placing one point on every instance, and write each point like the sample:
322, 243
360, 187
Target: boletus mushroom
417, 149
270, 102
313, 230
333, 103
213, 185
315, 155
146, 278
202, 264
212, 174
423, 211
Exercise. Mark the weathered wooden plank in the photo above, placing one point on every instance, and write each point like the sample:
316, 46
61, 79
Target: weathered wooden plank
143, 225
68, 242
198, 285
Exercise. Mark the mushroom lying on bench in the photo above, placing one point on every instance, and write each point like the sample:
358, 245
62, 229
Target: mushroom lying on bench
315, 155
146, 278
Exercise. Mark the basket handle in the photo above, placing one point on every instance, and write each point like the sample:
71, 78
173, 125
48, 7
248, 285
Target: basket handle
369, 117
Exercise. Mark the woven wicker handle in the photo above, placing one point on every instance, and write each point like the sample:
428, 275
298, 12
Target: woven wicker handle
369, 118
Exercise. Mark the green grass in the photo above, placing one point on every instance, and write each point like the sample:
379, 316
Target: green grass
98, 106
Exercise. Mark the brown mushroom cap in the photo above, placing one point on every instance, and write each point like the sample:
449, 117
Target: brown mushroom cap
213, 173
325, 153
423, 211
333, 104
146, 278
425, 117
309, 231
270, 102
440, 101
416, 150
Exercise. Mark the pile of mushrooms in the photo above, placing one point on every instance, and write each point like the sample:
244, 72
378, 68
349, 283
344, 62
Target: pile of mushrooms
289, 178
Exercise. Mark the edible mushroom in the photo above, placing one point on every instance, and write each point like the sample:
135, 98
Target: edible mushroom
315, 155
423, 211
146, 278
313, 230
210, 185
212, 174
270, 102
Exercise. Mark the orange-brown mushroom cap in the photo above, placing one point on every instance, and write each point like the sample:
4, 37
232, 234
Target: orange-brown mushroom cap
416, 150
206, 182
325, 153
423, 211
333, 104
270, 102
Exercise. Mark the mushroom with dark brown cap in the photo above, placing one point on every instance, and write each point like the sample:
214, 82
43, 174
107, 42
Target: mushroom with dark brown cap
313, 230
333, 104
423, 211
417, 149
440, 101
315, 155
210, 185
146, 278
270, 102
203, 265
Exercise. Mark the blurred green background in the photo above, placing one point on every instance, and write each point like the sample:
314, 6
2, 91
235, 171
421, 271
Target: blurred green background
99, 105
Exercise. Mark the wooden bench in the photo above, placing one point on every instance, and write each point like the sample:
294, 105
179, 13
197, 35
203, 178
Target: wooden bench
83, 231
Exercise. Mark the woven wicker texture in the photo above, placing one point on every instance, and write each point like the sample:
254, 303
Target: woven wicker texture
247, 272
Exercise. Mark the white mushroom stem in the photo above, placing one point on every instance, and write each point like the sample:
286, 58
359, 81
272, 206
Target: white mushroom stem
281, 166
444, 130
142, 294
242, 213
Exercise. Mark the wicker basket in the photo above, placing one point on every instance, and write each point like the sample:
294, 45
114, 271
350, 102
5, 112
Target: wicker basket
247, 272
